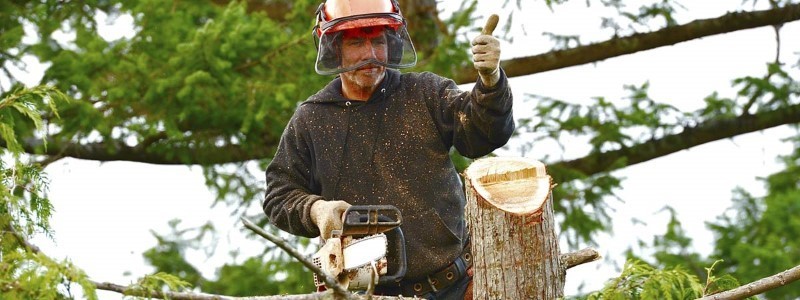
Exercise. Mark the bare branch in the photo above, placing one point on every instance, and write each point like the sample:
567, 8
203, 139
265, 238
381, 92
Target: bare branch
125, 290
118, 151
200, 296
329, 281
758, 286
638, 42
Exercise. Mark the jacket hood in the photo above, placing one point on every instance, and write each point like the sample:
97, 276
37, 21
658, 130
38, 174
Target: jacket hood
332, 93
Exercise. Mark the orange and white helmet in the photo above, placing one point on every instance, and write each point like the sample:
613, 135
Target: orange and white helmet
336, 17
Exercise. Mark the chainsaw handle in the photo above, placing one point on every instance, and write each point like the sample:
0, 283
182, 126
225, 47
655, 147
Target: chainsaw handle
400, 245
360, 220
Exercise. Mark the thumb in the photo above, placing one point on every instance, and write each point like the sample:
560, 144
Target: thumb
491, 24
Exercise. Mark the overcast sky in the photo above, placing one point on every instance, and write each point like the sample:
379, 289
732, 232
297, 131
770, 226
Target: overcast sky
104, 212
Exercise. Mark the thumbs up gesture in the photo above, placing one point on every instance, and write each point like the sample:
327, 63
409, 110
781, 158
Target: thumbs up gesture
486, 54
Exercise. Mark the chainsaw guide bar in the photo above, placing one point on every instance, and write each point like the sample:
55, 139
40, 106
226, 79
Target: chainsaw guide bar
361, 252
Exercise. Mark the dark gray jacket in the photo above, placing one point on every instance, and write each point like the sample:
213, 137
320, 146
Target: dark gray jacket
392, 149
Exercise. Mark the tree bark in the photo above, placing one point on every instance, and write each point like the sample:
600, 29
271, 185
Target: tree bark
615, 47
514, 243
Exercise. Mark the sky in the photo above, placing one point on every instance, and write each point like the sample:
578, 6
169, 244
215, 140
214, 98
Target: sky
104, 212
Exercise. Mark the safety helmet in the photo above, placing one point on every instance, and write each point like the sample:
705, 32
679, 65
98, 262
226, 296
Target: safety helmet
334, 18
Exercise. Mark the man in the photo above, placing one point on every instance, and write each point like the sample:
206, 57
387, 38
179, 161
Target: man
376, 136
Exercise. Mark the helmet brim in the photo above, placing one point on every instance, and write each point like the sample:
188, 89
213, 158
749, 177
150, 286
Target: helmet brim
365, 22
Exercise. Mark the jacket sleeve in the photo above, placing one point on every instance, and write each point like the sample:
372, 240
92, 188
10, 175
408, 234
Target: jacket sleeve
289, 176
476, 122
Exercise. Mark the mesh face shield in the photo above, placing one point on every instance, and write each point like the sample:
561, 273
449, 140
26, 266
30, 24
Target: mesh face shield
349, 43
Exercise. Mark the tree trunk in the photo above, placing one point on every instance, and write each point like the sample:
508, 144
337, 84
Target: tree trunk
514, 244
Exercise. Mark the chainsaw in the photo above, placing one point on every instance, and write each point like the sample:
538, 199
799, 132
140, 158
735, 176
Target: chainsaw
356, 255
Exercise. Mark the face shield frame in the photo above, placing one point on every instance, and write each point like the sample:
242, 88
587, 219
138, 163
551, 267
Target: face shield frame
328, 41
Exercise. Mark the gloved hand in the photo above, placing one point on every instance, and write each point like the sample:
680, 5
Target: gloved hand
327, 215
486, 58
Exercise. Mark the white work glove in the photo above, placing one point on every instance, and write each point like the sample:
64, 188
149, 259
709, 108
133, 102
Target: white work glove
327, 215
486, 58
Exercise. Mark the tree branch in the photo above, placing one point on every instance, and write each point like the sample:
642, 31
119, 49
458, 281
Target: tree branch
709, 131
329, 281
117, 151
758, 286
129, 291
572, 259
638, 42
115, 287
712, 130
200, 296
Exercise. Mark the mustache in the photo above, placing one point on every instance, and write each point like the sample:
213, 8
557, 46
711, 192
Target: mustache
365, 64
368, 66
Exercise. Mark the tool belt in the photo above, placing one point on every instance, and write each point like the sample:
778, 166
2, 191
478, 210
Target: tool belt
441, 279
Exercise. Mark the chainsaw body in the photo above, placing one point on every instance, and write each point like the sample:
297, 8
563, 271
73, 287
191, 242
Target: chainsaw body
356, 255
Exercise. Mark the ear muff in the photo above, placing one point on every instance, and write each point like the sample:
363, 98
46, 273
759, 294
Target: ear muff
330, 50
318, 19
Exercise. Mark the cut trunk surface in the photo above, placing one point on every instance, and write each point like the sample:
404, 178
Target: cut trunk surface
514, 243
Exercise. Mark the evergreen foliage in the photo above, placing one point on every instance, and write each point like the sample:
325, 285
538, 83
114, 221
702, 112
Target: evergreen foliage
150, 284
747, 237
640, 280
758, 234
25, 209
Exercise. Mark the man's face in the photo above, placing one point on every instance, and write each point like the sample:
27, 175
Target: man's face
360, 45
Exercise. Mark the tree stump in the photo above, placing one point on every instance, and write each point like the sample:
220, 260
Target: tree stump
510, 216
